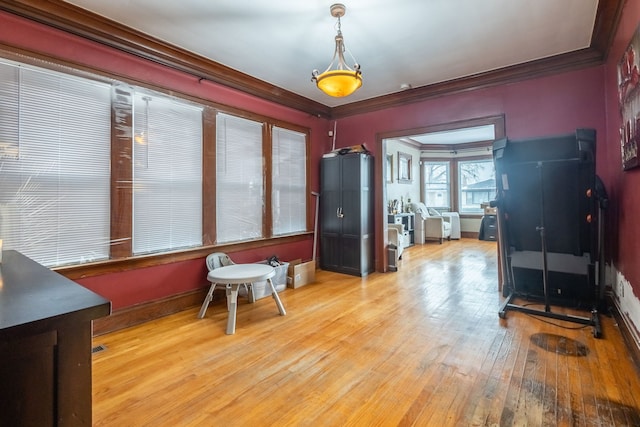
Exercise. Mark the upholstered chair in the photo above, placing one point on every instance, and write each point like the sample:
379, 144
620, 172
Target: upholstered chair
396, 236
430, 225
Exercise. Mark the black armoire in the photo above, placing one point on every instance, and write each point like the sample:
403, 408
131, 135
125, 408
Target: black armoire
346, 213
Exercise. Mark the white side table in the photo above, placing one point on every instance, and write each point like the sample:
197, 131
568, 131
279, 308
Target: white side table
233, 276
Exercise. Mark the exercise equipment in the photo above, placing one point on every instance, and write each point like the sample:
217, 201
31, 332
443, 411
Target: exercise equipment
550, 208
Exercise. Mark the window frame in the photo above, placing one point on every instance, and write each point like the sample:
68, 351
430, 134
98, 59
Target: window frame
46, 224
471, 159
454, 174
272, 186
256, 131
449, 183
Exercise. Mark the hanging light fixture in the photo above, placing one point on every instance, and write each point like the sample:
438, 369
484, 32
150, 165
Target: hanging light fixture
341, 81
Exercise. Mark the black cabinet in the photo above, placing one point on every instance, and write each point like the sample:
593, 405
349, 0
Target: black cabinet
45, 345
489, 228
346, 220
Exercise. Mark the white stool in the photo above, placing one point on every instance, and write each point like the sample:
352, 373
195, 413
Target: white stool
454, 220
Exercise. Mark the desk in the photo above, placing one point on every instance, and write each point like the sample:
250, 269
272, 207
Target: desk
233, 276
45, 345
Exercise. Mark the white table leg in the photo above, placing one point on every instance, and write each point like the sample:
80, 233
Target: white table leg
252, 297
232, 304
275, 296
206, 302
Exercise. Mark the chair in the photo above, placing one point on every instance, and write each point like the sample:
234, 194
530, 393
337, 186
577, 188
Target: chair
395, 234
430, 225
454, 219
217, 260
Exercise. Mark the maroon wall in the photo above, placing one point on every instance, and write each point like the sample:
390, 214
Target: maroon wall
623, 187
132, 287
537, 107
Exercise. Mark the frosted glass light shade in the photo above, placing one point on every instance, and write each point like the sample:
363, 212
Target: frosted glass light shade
339, 83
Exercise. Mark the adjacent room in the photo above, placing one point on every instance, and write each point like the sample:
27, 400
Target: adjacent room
312, 213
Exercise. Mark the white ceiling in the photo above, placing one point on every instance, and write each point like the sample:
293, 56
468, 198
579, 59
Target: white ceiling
417, 42
457, 136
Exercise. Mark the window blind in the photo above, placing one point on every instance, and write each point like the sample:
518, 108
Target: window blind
289, 181
239, 179
167, 187
54, 165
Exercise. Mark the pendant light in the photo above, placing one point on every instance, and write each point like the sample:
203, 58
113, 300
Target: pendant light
342, 80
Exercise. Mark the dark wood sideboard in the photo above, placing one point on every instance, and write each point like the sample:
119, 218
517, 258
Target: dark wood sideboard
45, 345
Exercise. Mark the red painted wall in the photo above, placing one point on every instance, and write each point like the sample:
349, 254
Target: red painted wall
133, 287
544, 106
623, 187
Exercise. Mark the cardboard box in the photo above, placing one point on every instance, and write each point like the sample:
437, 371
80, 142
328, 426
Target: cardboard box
301, 273
490, 211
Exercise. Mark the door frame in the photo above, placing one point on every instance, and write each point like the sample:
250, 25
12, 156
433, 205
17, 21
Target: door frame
381, 240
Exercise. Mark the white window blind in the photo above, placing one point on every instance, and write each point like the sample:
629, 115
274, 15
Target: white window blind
167, 196
239, 179
54, 165
289, 181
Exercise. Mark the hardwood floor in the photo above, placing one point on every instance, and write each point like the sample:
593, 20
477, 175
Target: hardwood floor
423, 346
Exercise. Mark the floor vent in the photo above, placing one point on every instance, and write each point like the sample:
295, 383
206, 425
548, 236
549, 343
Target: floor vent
98, 348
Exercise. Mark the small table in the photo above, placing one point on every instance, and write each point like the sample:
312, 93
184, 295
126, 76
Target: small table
233, 276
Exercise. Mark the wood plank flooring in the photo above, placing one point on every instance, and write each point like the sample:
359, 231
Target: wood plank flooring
420, 347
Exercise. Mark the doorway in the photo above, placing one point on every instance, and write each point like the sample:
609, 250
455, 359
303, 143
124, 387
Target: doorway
400, 160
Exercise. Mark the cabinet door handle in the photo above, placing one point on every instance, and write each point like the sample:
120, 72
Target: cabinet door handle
339, 213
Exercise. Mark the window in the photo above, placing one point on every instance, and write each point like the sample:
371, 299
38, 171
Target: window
289, 181
437, 185
239, 179
477, 184
167, 174
94, 169
54, 165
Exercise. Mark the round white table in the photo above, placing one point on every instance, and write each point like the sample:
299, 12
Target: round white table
233, 276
